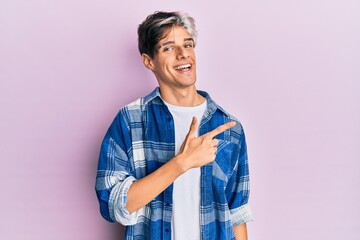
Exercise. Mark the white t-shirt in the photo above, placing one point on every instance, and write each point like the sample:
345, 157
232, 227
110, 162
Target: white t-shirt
186, 191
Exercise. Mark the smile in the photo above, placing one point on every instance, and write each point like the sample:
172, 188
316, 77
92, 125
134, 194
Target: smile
183, 67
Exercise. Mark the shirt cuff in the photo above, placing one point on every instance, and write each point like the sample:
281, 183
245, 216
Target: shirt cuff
241, 215
118, 200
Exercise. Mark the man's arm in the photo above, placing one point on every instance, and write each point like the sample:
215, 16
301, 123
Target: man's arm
240, 232
195, 152
238, 190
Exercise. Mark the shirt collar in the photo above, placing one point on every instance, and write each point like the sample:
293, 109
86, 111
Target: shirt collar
154, 97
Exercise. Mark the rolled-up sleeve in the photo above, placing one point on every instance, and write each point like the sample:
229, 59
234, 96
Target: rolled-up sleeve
115, 173
238, 190
117, 203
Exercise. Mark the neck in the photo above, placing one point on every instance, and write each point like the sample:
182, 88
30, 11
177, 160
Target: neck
182, 97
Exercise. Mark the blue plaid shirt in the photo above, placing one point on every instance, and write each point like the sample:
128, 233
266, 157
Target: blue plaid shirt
140, 140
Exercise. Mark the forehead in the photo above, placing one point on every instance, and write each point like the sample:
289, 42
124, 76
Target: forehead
175, 34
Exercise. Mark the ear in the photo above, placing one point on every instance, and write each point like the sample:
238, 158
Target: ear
147, 61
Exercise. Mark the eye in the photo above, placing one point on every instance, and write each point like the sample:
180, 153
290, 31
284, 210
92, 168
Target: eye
168, 49
188, 45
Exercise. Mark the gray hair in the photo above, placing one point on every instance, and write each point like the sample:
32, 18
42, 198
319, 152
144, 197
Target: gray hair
152, 30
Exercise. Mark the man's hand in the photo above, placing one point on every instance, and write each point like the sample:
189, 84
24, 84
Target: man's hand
199, 151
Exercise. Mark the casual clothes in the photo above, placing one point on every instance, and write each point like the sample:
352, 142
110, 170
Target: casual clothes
140, 140
185, 222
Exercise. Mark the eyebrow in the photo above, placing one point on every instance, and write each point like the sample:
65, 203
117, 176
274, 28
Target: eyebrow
172, 42
188, 39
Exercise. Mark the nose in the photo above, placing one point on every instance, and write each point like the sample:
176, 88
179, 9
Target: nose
182, 53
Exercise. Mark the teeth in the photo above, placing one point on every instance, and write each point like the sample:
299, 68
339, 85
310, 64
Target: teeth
183, 66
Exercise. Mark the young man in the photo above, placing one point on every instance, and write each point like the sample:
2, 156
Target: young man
173, 164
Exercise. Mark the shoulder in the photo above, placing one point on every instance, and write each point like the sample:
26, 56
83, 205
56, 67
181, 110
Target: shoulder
130, 112
228, 117
238, 127
214, 108
236, 133
135, 108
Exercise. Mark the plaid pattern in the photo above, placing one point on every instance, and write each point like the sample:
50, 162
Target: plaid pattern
140, 140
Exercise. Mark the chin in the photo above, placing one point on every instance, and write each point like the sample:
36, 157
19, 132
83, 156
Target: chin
188, 84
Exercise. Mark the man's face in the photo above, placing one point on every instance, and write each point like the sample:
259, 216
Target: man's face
174, 63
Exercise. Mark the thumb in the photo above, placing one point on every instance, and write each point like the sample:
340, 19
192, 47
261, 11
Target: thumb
190, 134
192, 129
193, 126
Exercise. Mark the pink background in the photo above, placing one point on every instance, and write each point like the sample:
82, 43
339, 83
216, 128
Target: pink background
289, 70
